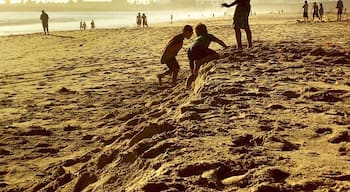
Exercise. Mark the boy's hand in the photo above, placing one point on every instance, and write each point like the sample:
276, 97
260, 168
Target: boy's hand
224, 5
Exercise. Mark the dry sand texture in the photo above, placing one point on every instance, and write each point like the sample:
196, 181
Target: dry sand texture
82, 111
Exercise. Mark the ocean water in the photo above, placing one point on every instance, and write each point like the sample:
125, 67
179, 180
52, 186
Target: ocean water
29, 22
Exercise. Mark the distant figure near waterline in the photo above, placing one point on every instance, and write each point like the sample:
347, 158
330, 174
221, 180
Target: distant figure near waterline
93, 24
44, 17
305, 13
138, 19
171, 18
170, 51
199, 53
315, 12
240, 21
144, 20
81, 25
84, 26
340, 7
321, 12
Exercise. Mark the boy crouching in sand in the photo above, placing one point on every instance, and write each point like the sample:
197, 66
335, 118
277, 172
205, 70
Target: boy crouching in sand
199, 53
171, 50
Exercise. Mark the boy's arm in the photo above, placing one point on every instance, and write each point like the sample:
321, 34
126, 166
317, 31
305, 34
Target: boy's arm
220, 42
229, 5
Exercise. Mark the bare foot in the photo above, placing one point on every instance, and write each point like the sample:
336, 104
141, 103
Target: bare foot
160, 79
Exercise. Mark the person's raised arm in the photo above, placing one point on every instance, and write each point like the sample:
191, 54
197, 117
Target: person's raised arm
229, 5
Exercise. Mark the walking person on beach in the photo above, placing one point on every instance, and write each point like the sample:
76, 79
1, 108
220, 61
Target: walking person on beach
340, 7
44, 17
84, 25
305, 13
81, 25
315, 12
240, 20
138, 20
321, 12
92, 24
199, 53
144, 20
170, 51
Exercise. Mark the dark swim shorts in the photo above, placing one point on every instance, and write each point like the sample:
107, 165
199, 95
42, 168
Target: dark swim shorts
240, 18
172, 64
198, 52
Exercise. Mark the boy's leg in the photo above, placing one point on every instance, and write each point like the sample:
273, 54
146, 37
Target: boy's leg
238, 38
175, 70
191, 60
190, 80
160, 76
249, 36
205, 59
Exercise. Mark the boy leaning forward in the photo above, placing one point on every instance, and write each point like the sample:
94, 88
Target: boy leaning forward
170, 52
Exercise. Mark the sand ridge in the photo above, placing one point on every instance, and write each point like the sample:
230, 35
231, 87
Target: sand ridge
83, 112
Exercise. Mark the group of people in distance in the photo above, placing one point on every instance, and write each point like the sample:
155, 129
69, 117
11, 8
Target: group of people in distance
141, 19
318, 11
199, 53
44, 17
83, 25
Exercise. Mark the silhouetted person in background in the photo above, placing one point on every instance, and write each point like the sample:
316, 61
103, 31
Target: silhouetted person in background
315, 12
138, 19
81, 25
305, 13
340, 7
240, 20
84, 26
93, 24
321, 12
144, 20
44, 17
171, 18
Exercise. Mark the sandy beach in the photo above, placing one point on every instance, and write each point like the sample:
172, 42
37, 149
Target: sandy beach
83, 111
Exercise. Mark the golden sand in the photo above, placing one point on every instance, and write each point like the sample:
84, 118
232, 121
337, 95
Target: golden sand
82, 111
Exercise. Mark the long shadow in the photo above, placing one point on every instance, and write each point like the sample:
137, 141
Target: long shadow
62, 36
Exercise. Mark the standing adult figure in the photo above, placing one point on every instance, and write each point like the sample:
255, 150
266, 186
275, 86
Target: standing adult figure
138, 19
321, 12
340, 7
92, 24
305, 13
44, 17
144, 20
240, 21
315, 12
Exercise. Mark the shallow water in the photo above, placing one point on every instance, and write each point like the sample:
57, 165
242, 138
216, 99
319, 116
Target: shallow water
29, 22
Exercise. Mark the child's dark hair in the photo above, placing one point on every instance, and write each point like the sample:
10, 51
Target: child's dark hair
188, 28
201, 29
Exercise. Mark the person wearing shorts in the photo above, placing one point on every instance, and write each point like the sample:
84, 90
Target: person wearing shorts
240, 21
170, 52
